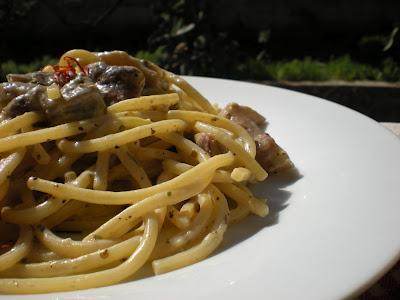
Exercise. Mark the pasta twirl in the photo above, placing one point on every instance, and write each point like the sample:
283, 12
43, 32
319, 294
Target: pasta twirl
112, 163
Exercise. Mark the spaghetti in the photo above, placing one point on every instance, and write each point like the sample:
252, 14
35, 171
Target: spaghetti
108, 162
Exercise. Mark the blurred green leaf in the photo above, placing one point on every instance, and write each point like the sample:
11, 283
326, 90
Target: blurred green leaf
391, 39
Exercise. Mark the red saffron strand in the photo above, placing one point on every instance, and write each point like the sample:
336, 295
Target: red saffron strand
64, 74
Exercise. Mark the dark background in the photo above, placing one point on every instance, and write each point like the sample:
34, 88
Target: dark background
291, 29
266, 41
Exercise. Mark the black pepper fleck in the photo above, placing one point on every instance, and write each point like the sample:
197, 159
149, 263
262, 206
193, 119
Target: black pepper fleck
104, 254
80, 128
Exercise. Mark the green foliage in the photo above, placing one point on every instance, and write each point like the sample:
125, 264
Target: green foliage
190, 40
187, 41
298, 70
373, 41
390, 70
391, 39
380, 42
342, 68
377, 48
155, 56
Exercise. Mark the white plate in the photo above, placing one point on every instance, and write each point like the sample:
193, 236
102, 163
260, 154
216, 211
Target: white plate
332, 231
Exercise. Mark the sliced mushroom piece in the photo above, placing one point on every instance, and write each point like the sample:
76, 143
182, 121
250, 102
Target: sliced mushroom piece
10, 90
29, 101
116, 83
80, 99
155, 83
40, 77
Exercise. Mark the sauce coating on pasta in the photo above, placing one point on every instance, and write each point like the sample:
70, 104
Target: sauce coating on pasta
109, 162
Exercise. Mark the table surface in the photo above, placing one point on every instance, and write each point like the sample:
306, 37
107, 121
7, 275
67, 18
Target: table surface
394, 127
388, 287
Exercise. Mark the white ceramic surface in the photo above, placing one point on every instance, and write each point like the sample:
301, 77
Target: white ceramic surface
333, 229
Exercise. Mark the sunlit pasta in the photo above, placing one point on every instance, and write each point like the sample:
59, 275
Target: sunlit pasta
108, 162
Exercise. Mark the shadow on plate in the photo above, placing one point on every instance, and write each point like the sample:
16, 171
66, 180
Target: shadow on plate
273, 190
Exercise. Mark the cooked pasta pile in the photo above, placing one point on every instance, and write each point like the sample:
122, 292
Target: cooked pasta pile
121, 174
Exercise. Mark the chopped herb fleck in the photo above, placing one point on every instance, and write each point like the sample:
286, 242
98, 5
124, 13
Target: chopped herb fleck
169, 194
